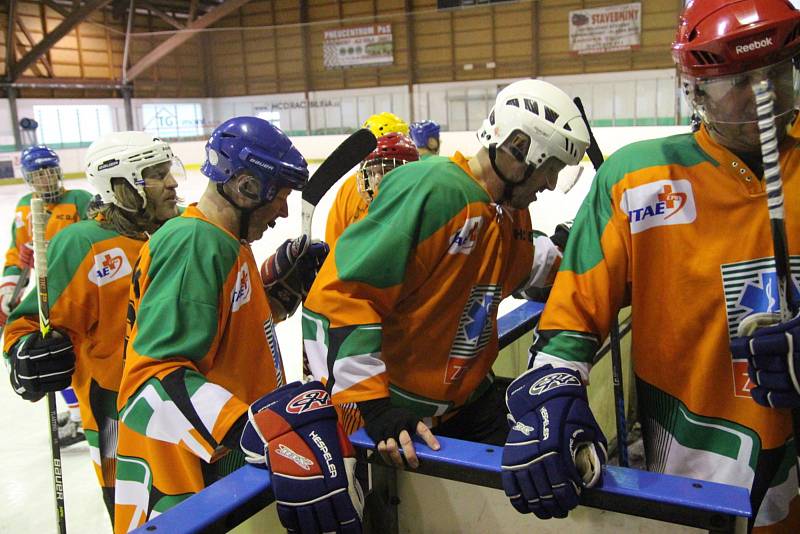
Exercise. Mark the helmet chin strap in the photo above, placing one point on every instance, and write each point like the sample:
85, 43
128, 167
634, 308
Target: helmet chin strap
508, 185
244, 220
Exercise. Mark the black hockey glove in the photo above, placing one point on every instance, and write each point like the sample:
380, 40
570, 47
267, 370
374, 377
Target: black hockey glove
561, 235
383, 421
38, 366
289, 273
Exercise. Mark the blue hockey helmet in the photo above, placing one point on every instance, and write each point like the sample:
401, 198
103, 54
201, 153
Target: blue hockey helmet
38, 157
256, 146
424, 130
42, 172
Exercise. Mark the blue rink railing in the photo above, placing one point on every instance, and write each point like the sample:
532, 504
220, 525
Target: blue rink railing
685, 501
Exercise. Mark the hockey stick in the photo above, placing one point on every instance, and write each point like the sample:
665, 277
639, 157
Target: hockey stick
16, 295
596, 157
346, 156
40, 260
768, 136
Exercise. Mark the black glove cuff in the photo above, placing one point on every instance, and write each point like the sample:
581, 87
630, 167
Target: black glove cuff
383, 421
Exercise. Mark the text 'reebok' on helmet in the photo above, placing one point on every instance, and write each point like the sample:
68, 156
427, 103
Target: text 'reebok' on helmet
41, 169
384, 123
393, 150
534, 120
124, 156
722, 47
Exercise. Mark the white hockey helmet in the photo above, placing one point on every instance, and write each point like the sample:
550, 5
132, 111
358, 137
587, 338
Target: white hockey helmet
125, 155
543, 112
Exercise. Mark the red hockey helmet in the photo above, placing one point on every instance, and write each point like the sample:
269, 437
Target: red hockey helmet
393, 150
722, 37
394, 145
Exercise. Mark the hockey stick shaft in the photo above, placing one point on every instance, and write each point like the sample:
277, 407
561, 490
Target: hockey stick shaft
596, 157
40, 260
346, 156
16, 295
770, 156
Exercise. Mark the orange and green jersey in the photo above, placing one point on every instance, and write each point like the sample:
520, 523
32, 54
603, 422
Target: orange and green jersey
679, 228
406, 304
347, 208
201, 348
89, 272
70, 208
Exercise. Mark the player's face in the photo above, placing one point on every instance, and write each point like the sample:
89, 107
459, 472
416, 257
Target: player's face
545, 176
160, 186
266, 215
727, 104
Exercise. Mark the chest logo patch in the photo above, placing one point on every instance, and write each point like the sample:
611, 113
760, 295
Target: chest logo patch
661, 203
243, 289
751, 287
109, 265
463, 241
474, 330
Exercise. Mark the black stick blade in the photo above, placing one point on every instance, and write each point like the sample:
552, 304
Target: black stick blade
346, 156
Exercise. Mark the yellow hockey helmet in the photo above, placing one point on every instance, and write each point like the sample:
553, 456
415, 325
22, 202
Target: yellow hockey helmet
386, 122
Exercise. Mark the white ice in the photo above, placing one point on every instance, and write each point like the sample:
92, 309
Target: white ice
26, 488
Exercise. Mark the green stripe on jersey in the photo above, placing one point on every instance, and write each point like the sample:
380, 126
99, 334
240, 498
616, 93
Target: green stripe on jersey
133, 469
583, 248
178, 315
414, 201
568, 345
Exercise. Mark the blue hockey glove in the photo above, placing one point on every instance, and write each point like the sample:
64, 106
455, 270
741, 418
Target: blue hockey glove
289, 273
555, 446
773, 358
296, 432
40, 365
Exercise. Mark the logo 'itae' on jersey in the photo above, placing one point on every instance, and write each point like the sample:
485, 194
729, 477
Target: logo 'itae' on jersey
463, 241
553, 381
751, 287
660, 203
108, 266
243, 288
309, 401
474, 330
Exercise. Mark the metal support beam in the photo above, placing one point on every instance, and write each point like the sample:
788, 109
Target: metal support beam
411, 51
127, 94
179, 38
57, 8
131, 14
160, 14
11, 55
12, 106
304, 20
74, 18
192, 10
61, 83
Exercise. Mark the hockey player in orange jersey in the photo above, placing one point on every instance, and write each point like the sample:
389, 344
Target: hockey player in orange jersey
350, 205
402, 318
679, 229
202, 349
90, 266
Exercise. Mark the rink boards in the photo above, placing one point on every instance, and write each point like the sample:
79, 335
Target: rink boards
458, 489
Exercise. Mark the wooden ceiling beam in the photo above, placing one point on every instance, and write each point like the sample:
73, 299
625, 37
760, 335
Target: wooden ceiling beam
160, 14
66, 26
179, 38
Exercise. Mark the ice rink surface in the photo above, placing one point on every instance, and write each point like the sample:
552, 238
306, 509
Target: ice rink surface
26, 488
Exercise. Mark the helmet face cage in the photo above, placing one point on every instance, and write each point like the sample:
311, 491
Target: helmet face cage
47, 182
370, 174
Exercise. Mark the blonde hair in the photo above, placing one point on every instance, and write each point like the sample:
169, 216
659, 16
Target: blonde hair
130, 221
